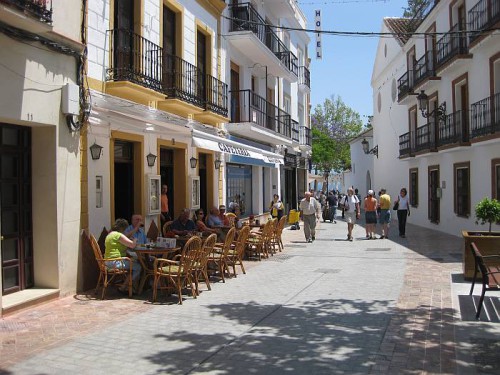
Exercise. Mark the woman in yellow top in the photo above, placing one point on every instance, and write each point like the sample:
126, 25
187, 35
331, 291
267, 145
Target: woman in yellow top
116, 246
276, 207
370, 215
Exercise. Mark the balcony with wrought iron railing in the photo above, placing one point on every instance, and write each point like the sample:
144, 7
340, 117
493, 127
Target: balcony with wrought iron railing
247, 106
137, 60
482, 17
405, 84
425, 137
424, 67
39, 9
451, 44
454, 130
304, 76
295, 131
245, 17
426, 6
305, 136
405, 145
485, 117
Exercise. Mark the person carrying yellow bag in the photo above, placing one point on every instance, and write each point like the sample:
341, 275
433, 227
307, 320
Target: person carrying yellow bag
276, 207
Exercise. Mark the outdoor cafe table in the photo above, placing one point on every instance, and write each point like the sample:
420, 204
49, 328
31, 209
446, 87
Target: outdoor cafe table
143, 254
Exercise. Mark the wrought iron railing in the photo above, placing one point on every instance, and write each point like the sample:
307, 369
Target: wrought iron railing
247, 106
424, 67
304, 76
134, 59
182, 80
405, 84
454, 129
295, 131
305, 136
138, 60
405, 144
40, 9
452, 44
421, 13
425, 138
245, 17
216, 100
482, 16
485, 116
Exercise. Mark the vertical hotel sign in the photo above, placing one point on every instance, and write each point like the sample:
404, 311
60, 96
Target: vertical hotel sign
317, 23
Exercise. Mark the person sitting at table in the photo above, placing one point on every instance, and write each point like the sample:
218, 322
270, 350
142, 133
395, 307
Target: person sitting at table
213, 219
199, 221
116, 246
183, 224
136, 230
222, 215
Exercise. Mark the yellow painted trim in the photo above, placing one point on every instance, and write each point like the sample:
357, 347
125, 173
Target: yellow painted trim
179, 107
209, 33
210, 118
96, 84
179, 18
138, 141
132, 91
214, 7
84, 196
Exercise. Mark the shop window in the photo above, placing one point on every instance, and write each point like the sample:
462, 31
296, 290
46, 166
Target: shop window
462, 189
239, 188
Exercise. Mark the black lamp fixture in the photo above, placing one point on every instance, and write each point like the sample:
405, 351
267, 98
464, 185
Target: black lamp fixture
151, 159
423, 103
95, 151
193, 161
217, 163
367, 150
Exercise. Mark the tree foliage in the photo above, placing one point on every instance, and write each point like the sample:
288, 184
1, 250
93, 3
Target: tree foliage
414, 8
333, 124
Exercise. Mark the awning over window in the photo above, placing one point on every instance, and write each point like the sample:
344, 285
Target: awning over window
226, 146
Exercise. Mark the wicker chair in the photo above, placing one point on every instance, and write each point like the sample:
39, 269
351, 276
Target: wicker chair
235, 255
276, 240
220, 253
177, 272
166, 228
258, 243
231, 218
200, 268
107, 274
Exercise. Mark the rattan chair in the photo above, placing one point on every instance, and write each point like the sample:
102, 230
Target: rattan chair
166, 228
235, 255
200, 267
107, 274
276, 240
258, 243
177, 273
218, 258
231, 218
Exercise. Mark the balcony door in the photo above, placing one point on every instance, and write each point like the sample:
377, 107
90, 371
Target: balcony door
235, 94
124, 186
123, 37
15, 208
461, 115
433, 209
169, 47
201, 64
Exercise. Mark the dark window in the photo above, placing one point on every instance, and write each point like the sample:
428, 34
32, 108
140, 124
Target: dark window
495, 179
462, 189
414, 187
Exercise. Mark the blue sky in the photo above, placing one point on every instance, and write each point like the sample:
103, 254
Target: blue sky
347, 63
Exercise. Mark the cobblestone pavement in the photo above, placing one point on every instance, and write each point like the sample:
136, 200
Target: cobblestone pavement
330, 307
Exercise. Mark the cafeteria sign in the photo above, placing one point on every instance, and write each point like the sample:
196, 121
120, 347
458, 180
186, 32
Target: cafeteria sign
233, 150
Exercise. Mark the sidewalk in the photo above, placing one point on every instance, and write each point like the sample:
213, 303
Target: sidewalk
330, 307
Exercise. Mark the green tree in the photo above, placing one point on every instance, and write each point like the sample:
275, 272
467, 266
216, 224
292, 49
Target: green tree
414, 8
333, 124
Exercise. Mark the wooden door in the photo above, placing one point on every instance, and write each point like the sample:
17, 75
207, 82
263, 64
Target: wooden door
201, 64
235, 96
169, 47
16, 208
123, 37
464, 105
433, 212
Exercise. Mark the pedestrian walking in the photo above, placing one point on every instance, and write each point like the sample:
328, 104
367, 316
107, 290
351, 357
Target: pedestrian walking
332, 206
351, 208
310, 210
403, 209
385, 212
370, 214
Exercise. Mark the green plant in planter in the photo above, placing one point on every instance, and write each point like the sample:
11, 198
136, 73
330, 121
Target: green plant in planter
488, 211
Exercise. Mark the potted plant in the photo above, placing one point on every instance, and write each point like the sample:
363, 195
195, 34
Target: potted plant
487, 211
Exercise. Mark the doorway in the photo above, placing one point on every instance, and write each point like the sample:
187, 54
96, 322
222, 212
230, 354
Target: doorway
202, 170
434, 195
124, 179
123, 53
167, 176
16, 209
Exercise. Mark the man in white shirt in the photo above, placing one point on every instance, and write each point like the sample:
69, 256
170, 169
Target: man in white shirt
310, 210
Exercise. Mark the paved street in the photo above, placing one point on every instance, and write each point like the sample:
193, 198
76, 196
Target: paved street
330, 307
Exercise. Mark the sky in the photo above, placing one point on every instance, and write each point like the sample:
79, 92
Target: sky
346, 67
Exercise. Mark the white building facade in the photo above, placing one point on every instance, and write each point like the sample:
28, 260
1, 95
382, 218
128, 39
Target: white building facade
445, 150
39, 150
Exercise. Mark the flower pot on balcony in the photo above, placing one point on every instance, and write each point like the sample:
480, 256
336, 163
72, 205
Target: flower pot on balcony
487, 242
